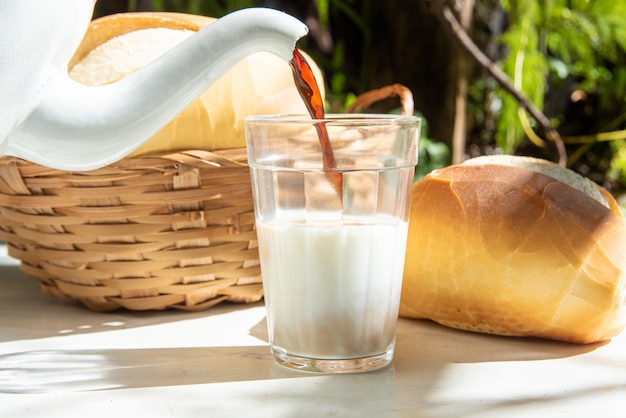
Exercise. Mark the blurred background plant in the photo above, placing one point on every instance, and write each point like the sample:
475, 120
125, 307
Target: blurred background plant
566, 58
569, 57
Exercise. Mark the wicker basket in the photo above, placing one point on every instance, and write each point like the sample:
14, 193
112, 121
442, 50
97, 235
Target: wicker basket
145, 233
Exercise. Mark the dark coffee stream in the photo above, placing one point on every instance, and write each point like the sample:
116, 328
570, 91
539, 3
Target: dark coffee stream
310, 93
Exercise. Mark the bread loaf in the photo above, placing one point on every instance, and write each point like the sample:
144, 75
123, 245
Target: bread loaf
117, 45
516, 246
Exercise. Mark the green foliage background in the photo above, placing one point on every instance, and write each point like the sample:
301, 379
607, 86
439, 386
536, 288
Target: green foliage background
556, 46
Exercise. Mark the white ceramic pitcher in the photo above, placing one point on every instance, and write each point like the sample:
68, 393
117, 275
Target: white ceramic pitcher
49, 119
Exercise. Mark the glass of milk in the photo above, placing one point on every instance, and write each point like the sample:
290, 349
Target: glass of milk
332, 236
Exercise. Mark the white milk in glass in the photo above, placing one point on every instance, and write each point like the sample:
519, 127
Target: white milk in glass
333, 289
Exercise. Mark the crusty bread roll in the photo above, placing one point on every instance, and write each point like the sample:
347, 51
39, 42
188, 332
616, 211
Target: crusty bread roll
516, 246
117, 45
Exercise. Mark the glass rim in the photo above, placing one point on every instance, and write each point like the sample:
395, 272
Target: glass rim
335, 119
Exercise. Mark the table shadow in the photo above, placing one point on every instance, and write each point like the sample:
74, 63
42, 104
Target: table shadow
423, 353
25, 313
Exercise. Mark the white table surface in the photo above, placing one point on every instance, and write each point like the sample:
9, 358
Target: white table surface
58, 359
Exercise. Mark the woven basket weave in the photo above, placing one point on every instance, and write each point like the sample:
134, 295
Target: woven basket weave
144, 233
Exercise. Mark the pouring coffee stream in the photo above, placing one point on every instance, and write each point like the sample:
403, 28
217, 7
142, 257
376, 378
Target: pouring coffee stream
49, 119
310, 93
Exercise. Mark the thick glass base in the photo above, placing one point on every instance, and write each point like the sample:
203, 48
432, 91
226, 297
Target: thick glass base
333, 366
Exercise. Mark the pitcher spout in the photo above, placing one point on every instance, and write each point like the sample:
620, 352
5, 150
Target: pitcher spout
79, 127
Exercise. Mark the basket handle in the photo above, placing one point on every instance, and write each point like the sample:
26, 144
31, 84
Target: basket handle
366, 99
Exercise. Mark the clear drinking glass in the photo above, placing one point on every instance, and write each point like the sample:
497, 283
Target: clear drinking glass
332, 241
